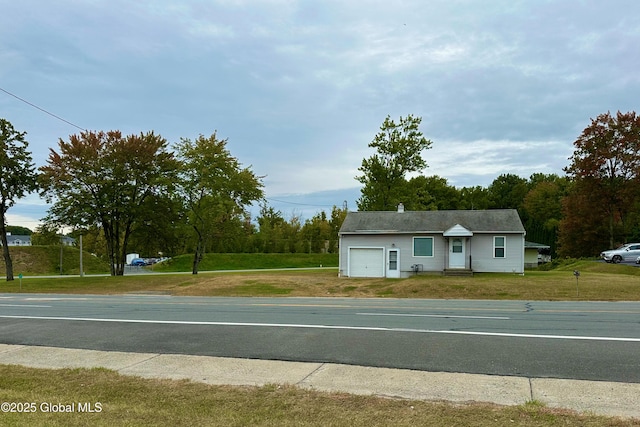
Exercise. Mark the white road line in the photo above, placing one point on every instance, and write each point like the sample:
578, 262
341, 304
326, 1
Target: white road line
443, 316
355, 328
25, 305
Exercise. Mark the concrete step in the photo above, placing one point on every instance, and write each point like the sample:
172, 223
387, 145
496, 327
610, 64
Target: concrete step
458, 272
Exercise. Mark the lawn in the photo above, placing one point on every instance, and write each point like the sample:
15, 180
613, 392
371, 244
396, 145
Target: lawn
121, 400
597, 282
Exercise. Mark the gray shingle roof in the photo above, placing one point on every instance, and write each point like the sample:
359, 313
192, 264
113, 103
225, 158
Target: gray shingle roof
477, 221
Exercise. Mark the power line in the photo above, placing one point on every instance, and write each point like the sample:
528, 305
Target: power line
42, 109
299, 204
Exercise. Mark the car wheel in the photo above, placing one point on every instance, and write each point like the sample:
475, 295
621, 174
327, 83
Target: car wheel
616, 259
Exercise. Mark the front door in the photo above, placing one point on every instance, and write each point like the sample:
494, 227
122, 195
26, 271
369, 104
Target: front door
457, 252
393, 263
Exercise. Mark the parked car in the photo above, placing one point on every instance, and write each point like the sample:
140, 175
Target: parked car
628, 252
137, 262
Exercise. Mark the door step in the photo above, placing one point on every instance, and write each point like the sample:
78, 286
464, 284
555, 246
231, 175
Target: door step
458, 272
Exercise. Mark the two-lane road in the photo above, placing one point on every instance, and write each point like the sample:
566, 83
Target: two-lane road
597, 341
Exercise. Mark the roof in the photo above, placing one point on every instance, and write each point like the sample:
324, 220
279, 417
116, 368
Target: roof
14, 238
534, 245
393, 222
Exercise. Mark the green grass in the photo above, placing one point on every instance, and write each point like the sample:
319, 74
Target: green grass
133, 401
212, 262
45, 260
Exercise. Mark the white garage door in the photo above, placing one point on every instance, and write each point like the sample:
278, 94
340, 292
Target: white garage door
366, 262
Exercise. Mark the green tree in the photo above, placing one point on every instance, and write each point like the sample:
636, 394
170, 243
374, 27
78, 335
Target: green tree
46, 235
474, 198
18, 178
271, 225
508, 192
605, 166
399, 149
103, 179
18, 230
543, 208
431, 193
216, 190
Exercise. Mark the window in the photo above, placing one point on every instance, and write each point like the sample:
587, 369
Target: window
499, 246
423, 246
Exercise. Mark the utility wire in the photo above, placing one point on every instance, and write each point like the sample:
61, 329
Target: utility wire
42, 109
300, 204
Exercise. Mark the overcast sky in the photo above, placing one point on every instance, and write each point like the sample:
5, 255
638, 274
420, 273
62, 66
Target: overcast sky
300, 88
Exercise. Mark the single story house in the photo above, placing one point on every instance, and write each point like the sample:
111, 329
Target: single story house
398, 244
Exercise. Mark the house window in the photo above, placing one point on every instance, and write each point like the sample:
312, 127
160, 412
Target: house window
423, 246
499, 246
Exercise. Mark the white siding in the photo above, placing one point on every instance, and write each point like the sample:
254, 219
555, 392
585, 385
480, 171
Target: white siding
404, 242
482, 259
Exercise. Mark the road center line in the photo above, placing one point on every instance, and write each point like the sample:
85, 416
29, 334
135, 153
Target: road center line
444, 316
355, 328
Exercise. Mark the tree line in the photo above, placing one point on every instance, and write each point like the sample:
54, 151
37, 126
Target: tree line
137, 191
594, 206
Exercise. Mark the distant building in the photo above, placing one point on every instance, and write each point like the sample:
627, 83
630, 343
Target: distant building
26, 240
17, 240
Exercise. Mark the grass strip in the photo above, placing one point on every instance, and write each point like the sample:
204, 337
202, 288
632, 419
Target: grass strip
117, 400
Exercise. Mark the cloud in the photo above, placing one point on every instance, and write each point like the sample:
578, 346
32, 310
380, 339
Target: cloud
300, 88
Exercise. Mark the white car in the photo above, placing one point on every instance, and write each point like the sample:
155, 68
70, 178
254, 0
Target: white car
628, 252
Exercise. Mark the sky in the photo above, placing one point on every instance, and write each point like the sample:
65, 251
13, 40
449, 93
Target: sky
300, 88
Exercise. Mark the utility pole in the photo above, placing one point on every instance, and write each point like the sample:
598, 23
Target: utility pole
81, 271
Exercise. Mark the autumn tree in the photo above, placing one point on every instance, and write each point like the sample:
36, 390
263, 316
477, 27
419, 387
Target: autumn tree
103, 179
17, 178
605, 168
399, 149
216, 190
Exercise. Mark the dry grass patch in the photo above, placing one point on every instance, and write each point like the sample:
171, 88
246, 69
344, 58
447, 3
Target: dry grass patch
146, 402
597, 282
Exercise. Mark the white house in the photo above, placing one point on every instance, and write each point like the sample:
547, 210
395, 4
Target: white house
17, 240
398, 244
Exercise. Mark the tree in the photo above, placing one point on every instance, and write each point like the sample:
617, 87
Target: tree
605, 167
543, 208
18, 178
508, 192
216, 189
431, 193
103, 179
399, 152
45, 235
18, 230
474, 198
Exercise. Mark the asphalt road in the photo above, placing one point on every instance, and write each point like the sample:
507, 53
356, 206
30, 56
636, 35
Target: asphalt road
592, 341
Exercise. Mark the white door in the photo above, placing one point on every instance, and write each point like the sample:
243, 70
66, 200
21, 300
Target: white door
393, 263
366, 262
456, 252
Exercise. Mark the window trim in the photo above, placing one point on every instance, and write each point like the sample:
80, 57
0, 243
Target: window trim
503, 247
413, 247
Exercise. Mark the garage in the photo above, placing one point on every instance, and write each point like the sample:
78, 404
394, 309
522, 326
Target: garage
366, 262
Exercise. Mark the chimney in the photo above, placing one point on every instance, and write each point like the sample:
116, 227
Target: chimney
400, 208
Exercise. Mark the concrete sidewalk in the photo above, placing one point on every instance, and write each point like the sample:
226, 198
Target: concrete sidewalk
604, 398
